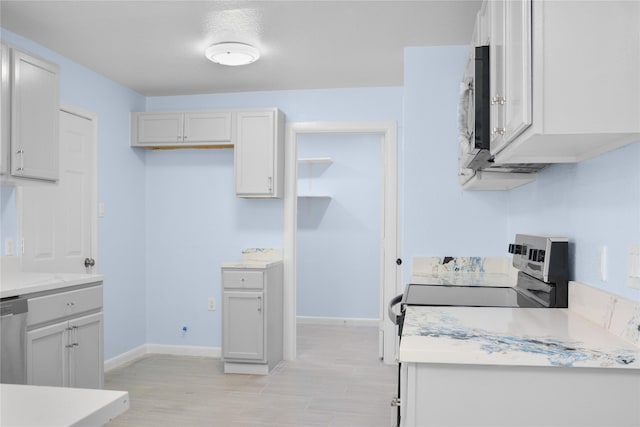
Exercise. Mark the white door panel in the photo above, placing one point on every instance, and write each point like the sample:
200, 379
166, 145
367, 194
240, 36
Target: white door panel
57, 220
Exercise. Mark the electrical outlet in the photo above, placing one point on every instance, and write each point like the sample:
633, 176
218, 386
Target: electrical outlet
212, 304
633, 267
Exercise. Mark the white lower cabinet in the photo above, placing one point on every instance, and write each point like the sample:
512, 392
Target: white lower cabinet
65, 339
244, 326
66, 354
252, 319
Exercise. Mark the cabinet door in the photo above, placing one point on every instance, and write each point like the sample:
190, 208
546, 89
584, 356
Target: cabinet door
207, 127
163, 128
47, 352
34, 117
243, 326
4, 111
517, 60
255, 153
86, 368
497, 72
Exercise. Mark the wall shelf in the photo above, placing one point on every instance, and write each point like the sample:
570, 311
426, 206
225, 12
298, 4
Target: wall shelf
307, 174
312, 160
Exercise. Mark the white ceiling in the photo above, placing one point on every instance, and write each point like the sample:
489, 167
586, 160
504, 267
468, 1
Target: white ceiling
157, 47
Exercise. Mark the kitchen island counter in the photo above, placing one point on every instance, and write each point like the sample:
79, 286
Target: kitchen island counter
37, 406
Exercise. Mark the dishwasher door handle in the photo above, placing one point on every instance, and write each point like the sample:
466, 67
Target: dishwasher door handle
392, 315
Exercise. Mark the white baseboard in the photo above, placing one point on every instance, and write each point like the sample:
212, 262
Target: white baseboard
337, 321
125, 358
185, 350
178, 350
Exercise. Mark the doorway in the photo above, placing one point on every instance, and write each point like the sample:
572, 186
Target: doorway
389, 274
57, 221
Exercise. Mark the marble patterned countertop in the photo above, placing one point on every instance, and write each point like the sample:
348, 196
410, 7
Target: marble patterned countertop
508, 336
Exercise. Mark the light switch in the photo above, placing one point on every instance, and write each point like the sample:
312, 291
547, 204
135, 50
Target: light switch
8, 246
603, 263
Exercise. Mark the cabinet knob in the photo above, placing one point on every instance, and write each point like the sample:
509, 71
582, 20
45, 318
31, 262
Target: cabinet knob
89, 262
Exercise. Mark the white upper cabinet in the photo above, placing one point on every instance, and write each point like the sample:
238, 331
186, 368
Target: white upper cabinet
30, 121
259, 153
5, 117
511, 78
205, 128
564, 83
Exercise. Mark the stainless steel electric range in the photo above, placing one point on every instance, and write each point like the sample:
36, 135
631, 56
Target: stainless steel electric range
542, 264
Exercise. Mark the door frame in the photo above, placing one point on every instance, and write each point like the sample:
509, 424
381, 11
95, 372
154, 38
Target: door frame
93, 117
390, 273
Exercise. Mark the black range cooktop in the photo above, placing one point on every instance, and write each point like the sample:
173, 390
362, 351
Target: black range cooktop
468, 296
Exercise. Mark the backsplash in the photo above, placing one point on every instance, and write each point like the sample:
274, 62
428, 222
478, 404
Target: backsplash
448, 264
618, 315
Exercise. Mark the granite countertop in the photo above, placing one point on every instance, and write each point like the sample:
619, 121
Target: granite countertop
508, 336
22, 283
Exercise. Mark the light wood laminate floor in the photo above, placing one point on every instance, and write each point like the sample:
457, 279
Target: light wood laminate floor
337, 380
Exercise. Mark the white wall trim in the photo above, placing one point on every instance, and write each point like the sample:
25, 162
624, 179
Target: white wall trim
390, 273
337, 321
125, 358
176, 350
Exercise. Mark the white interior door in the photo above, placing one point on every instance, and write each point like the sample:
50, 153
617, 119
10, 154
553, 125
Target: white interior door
58, 220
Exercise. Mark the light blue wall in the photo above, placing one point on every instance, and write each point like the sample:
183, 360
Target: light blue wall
595, 203
171, 216
121, 176
194, 221
338, 248
8, 219
438, 218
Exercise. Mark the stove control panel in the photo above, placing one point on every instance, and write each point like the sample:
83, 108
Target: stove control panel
540, 256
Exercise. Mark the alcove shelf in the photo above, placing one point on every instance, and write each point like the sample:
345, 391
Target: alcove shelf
312, 160
305, 171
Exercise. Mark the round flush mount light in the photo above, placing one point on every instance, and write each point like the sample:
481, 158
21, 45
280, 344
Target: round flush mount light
232, 53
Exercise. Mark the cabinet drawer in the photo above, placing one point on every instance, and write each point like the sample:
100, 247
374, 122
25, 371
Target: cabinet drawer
64, 304
243, 279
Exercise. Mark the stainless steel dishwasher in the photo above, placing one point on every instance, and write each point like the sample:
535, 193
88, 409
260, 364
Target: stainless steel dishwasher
13, 324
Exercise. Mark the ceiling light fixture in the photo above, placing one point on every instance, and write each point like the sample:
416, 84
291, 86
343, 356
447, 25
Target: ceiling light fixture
232, 53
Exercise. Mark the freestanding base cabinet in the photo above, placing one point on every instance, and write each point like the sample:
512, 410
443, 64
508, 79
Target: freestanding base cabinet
252, 318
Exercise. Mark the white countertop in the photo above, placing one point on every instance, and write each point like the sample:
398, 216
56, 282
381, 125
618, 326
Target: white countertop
21, 283
249, 264
511, 336
37, 406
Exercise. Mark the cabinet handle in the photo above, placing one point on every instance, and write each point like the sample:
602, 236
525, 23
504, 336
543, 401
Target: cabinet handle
21, 168
260, 306
270, 184
499, 100
498, 131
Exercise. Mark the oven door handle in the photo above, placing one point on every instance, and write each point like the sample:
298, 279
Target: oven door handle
393, 316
